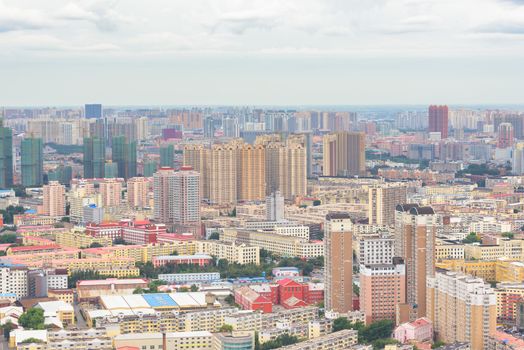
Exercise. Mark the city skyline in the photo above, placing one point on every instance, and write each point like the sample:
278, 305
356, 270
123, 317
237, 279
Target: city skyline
261, 53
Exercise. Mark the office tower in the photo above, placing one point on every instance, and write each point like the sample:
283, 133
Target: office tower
93, 111
382, 201
94, 157
415, 231
54, 199
464, 309
162, 194
438, 120
506, 135
110, 170
382, 288
124, 155
209, 127
251, 173
32, 161
167, 156
150, 167
6, 156
111, 191
344, 154
186, 201
137, 192
376, 248
62, 174
338, 271
275, 207
230, 127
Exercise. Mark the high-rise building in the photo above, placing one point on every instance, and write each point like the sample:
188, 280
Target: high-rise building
111, 191
162, 192
209, 127
150, 167
230, 127
251, 172
517, 166
93, 111
186, 194
382, 288
54, 199
223, 173
6, 156
167, 156
275, 207
438, 120
338, 271
62, 174
32, 161
124, 155
137, 192
177, 199
94, 157
463, 309
382, 201
415, 231
344, 154
110, 170
506, 135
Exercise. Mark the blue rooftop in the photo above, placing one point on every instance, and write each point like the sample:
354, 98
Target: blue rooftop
159, 300
30, 211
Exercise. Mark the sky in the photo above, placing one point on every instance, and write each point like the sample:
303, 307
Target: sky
261, 52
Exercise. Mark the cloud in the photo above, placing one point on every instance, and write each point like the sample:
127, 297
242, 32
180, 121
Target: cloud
13, 18
101, 13
238, 22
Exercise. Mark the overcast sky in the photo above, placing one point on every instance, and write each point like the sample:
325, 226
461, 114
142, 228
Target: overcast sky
161, 52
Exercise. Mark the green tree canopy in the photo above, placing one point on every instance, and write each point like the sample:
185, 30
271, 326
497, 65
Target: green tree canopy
32, 319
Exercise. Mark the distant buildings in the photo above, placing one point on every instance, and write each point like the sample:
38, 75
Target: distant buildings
93, 111
344, 154
382, 201
506, 135
338, 270
32, 161
438, 120
167, 156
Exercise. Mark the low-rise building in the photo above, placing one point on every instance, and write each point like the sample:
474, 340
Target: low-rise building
196, 259
179, 340
340, 340
197, 277
420, 330
232, 252
92, 289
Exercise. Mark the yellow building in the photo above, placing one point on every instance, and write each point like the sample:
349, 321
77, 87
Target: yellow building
80, 240
141, 253
234, 253
482, 269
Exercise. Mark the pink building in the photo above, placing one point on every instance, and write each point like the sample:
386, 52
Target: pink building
382, 288
197, 259
419, 330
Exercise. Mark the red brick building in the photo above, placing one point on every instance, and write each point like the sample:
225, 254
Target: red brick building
248, 299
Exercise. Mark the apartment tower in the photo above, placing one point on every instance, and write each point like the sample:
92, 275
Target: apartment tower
338, 271
344, 154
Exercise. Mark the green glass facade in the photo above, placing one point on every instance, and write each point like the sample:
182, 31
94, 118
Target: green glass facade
6, 157
111, 170
150, 167
62, 174
167, 156
32, 161
124, 155
94, 157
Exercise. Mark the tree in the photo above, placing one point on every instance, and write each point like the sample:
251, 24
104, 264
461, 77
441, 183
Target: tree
9, 213
376, 330
214, 236
437, 344
316, 202
341, 323
95, 245
32, 319
472, 238
8, 327
509, 235
230, 299
356, 289
183, 289
65, 219
381, 343
226, 328
280, 341
8, 238
31, 341
194, 288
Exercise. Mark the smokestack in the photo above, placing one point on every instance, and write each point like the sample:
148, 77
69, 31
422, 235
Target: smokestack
164, 341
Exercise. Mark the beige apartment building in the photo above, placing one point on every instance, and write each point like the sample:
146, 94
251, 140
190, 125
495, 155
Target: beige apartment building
382, 201
138, 192
344, 154
415, 230
111, 191
338, 270
54, 199
462, 308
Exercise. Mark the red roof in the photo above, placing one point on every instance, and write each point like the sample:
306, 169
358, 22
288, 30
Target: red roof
35, 247
288, 282
128, 348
